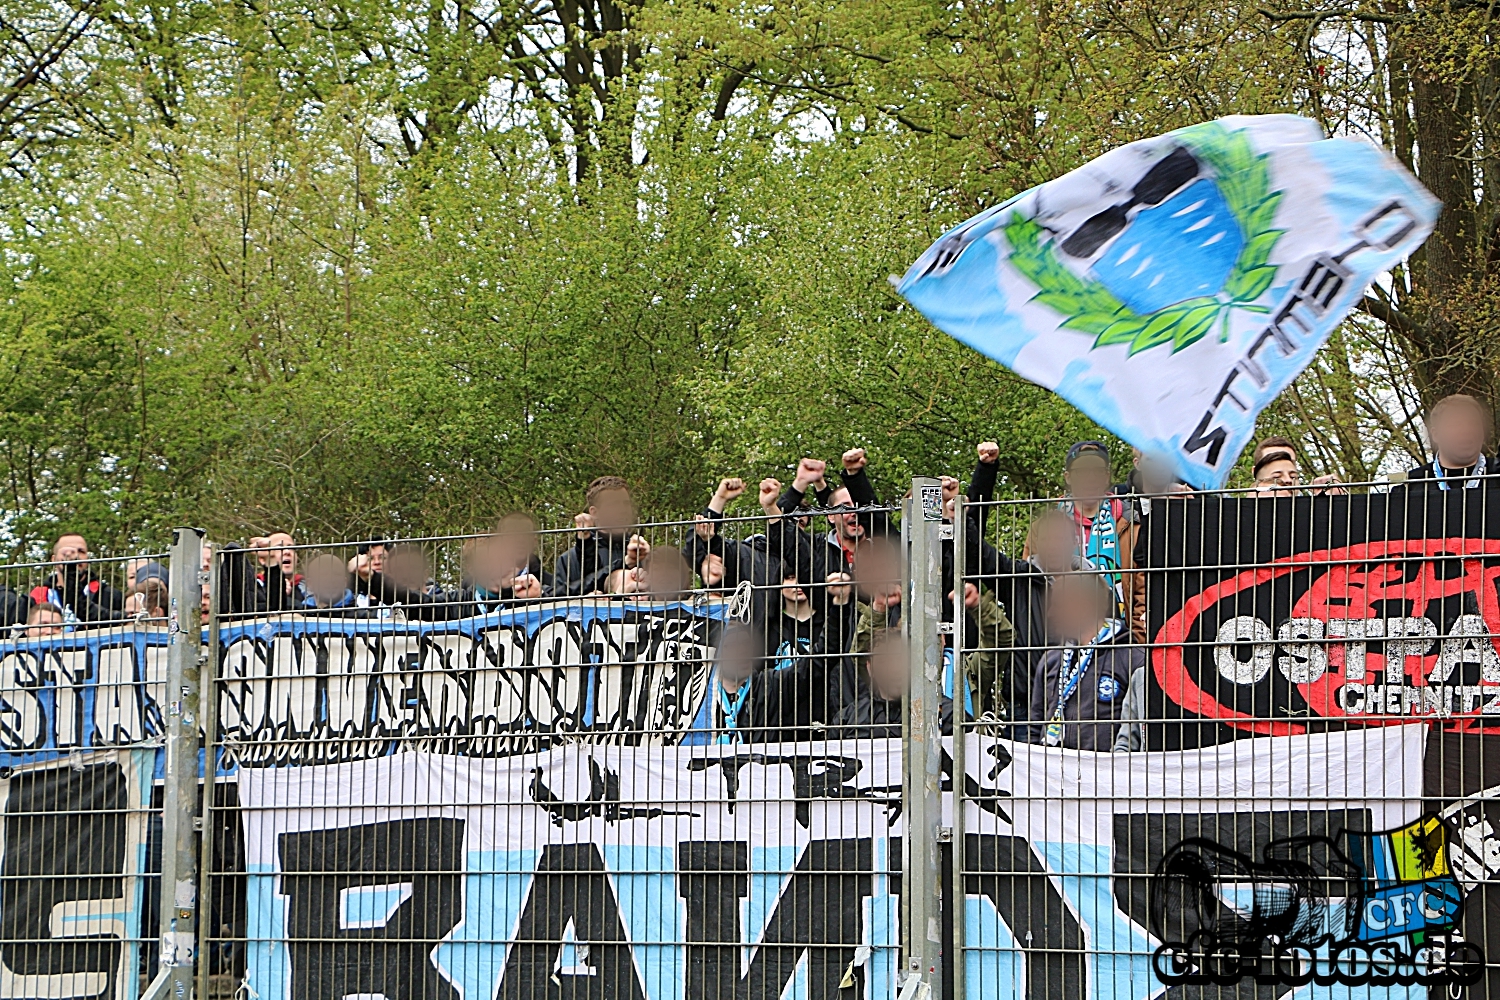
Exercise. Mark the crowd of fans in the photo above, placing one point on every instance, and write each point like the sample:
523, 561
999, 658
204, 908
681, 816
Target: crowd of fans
1053, 635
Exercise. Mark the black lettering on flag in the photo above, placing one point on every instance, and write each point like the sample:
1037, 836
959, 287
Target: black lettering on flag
571, 904
1202, 437
63, 857
820, 913
368, 906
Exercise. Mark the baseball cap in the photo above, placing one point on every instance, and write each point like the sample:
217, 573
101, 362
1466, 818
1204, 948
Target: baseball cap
151, 571
1085, 448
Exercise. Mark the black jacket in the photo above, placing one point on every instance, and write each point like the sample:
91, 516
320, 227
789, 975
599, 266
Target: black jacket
1456, 479
749, 559
584, 568
870, 717
805, 678
88, 597
14, 608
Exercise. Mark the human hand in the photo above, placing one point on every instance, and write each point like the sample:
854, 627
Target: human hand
989, 452
1328, 486
636, 550
731, 488
361, 567
971, 596
809, 471
526, 586
584, 523
854, 460
841, 588
261, 545
704, 527
770, 492
886, 599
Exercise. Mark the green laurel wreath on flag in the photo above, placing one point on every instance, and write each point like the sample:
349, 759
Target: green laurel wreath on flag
1245, 183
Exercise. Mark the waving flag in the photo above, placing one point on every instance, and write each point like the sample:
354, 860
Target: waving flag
1172, 287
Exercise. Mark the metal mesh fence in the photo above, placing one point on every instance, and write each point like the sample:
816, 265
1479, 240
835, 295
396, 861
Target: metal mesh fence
82, 668
1236, 741
1186, 741
589, 761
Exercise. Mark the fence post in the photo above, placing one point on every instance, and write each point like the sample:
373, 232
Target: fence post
179, 859
922, 768
957, 899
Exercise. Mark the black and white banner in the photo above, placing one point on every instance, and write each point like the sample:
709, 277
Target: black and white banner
664, 873
72, 852
307, 690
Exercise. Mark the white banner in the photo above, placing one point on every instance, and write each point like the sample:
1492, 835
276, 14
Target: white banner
770, 872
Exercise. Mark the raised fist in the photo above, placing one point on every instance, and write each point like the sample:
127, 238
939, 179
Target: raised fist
840, 588
732, 488
770, 492
989, 452
703, 527
526, 586
584, 523
854, 460
636, 550
809, 471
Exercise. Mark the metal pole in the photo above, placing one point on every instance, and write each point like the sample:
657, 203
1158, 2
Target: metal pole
208, 723
922, 774
179, 858
958, 898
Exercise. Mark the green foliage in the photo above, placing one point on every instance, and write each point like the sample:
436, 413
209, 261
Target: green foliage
352, 268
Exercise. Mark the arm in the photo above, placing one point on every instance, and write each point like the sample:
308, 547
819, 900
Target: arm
982, 482
856, 480
989, 636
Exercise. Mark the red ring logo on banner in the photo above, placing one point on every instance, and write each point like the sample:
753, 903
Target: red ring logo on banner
1356, 582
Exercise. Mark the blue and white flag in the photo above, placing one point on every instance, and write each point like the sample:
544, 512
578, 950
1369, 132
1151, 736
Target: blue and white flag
1172, 287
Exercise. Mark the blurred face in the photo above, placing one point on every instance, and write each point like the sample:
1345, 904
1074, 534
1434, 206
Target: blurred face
1458, 431
1156, 474
484, 567
888, 670
1075, 607
43, 622
407, 567
327, 579
877, 570
613, 511
515, 542
1088, 477
738, 656
71, 549
846, 525
1054, 545
667, 577
1278, 479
